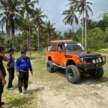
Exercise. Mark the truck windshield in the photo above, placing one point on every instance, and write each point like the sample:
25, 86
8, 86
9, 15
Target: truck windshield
74, 47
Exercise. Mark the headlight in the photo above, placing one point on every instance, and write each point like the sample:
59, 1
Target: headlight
97, 61
94, 61
100, 60
81, 59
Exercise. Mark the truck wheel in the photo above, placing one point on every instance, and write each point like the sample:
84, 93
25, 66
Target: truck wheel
50, 67
98, 73
72, 74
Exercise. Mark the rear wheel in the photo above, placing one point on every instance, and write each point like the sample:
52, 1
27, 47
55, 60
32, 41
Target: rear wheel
72, 74
98, 73
50, 67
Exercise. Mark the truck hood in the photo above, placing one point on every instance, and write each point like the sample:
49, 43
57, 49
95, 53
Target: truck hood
85, 54
82, 54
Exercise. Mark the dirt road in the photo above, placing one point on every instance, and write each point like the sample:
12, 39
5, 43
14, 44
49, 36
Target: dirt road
57, 92
87, 95
52, 90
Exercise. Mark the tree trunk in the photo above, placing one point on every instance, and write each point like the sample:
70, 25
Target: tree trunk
12, 25
85, 33
49, 36
2, 27
83, 30
38, 38
27, 40
30, 42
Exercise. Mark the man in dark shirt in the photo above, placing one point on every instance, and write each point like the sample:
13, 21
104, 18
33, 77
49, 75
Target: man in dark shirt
2, 73
23, 65
10, 68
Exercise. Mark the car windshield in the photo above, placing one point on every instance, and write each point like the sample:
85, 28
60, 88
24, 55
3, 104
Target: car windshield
74, 47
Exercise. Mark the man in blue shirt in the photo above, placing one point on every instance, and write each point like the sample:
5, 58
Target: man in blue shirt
10, 68
23, 66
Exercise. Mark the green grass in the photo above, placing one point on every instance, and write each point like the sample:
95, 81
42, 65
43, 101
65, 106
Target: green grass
32, 53
105, 52
56, 81
19, 101
13, 98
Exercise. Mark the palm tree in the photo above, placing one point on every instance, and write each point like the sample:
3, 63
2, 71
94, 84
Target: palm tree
50, 29
38, 22
9, 12
27, 13
28, 7
71, 16
82, 8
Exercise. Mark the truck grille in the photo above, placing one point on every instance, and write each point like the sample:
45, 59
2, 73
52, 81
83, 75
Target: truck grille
95, 60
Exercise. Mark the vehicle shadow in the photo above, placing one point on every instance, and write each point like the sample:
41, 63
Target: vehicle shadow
31, 91
85, 79
90, 80
60, 72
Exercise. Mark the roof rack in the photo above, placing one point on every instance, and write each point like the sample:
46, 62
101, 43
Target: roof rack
60, 41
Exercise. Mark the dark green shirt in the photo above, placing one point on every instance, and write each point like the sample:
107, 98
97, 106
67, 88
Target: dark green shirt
2, 69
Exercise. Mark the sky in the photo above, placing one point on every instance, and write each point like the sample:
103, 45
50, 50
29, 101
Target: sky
54, 8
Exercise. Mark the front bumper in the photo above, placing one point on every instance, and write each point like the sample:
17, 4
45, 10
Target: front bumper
92, 65
86, 67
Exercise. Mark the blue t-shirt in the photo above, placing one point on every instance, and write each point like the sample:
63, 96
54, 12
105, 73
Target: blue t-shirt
23, 64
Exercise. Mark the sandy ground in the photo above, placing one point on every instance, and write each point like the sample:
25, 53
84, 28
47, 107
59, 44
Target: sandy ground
52, 90
87, 95
57, 92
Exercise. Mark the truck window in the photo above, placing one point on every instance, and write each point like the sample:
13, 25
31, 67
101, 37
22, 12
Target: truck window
73, 47
52, 48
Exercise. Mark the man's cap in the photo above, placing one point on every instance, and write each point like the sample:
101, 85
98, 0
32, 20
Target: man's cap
11, 50
23, 51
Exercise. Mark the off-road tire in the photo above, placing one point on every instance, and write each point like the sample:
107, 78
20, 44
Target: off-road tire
50, 67
98, 73
72, 74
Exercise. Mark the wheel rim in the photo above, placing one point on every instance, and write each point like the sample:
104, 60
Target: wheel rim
70, 73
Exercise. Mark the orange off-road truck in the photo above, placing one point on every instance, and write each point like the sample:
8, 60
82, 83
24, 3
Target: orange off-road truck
72, 57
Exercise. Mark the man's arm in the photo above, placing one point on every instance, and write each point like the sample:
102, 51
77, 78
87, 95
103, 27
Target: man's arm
30, 66
2, 78
17, 65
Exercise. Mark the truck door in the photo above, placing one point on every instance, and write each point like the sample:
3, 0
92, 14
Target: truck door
61, 55
54, 53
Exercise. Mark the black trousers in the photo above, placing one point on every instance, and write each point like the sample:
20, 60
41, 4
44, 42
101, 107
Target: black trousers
1, 90
23, 80
11, 77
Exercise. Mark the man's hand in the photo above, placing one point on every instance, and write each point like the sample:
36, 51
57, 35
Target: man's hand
2, 78
3, 81
1, 54
31, 72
